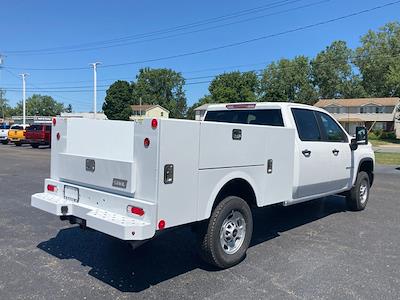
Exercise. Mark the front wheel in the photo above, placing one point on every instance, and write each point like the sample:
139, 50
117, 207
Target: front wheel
357, 197
4, 142
228, 234
18, 144
35, 146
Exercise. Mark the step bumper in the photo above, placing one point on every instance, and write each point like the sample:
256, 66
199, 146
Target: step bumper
116, 225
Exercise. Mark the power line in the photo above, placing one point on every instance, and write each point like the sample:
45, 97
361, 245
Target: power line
301, 28
321, 61
184, 33
167, 30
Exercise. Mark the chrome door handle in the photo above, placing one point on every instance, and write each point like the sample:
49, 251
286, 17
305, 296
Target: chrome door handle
335, 152
306, 153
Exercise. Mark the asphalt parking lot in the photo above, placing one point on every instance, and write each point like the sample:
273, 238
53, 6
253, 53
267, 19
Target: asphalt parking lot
311, 250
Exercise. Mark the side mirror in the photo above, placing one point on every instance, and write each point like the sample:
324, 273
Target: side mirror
361, 138
353, 144
361, 135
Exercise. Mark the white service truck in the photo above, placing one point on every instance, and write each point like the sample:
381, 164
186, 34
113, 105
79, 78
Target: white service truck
132, 180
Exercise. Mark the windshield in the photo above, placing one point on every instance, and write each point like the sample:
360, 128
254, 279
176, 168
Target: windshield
16, 127
271, 117
4, 126
35, 128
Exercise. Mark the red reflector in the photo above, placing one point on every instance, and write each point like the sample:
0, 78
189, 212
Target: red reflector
240, 105
137, 211
54, 121
58, 136
154, 123
51, 188
161, 224
146, 142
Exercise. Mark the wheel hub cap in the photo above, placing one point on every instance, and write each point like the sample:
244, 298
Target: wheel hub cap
363, 191
232, 232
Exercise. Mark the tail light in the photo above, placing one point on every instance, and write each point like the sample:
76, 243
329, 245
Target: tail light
58, 136
135, 210
161, 224
54, 121
51, 188
146, 142
154, 123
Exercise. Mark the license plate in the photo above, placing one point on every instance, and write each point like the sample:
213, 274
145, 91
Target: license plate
71, 193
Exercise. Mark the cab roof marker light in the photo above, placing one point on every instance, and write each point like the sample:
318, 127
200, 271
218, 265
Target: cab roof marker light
241, 105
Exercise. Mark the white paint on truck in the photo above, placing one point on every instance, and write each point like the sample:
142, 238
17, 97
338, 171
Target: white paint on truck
104, 174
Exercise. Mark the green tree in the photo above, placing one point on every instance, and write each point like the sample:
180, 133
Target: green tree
117, 102
289, 81
233, 87
4, 106
40, 105
378, 59
163, 87
333, 75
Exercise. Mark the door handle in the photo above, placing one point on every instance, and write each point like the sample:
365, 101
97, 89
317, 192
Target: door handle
335, 152
306, 153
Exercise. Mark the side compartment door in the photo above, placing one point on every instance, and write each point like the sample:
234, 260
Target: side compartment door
314, 156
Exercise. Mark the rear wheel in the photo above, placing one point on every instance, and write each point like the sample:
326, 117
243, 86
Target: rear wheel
358, 196
35, 145
4, 142
18, 144
225, 240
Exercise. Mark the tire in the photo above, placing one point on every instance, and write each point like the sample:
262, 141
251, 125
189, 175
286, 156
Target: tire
35, 146
357, 197
18, 144
5, 142
227, 235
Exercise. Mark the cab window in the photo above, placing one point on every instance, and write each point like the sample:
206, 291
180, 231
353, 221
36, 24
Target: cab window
330, 129
270, 117
307, 125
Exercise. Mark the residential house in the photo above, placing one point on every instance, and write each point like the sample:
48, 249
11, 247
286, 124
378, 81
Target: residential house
200, 112
373, 113
140, 112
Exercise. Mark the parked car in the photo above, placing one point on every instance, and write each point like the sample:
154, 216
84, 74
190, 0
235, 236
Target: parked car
38, 134
4, 133
211, 174
16, 134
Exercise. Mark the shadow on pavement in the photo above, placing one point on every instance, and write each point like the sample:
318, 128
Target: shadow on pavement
174, 252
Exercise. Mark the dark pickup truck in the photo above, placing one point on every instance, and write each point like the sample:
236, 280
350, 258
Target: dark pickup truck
38, 134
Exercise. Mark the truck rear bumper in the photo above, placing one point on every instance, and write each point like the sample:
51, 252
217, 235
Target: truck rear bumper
114, 224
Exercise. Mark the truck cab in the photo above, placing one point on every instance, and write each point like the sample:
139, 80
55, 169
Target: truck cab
16, 134
38, 134
158, 174
4, 133
324, 162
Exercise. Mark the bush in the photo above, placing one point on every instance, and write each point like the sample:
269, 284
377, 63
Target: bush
372, 136
388, 135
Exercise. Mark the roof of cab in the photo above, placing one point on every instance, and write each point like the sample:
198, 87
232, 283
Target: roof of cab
257, 105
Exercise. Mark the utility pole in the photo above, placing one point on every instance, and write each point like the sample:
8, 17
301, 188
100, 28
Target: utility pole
1, 90
94, 65
23, 75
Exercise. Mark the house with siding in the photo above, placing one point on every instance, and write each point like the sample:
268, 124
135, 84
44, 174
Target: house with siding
373, 113
140, 112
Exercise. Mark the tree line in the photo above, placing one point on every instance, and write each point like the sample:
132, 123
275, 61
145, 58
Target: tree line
36, 105
370, 70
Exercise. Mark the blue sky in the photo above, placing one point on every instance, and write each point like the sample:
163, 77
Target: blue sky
35, 25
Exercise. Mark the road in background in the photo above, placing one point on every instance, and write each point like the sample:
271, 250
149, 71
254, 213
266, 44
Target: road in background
311, 250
